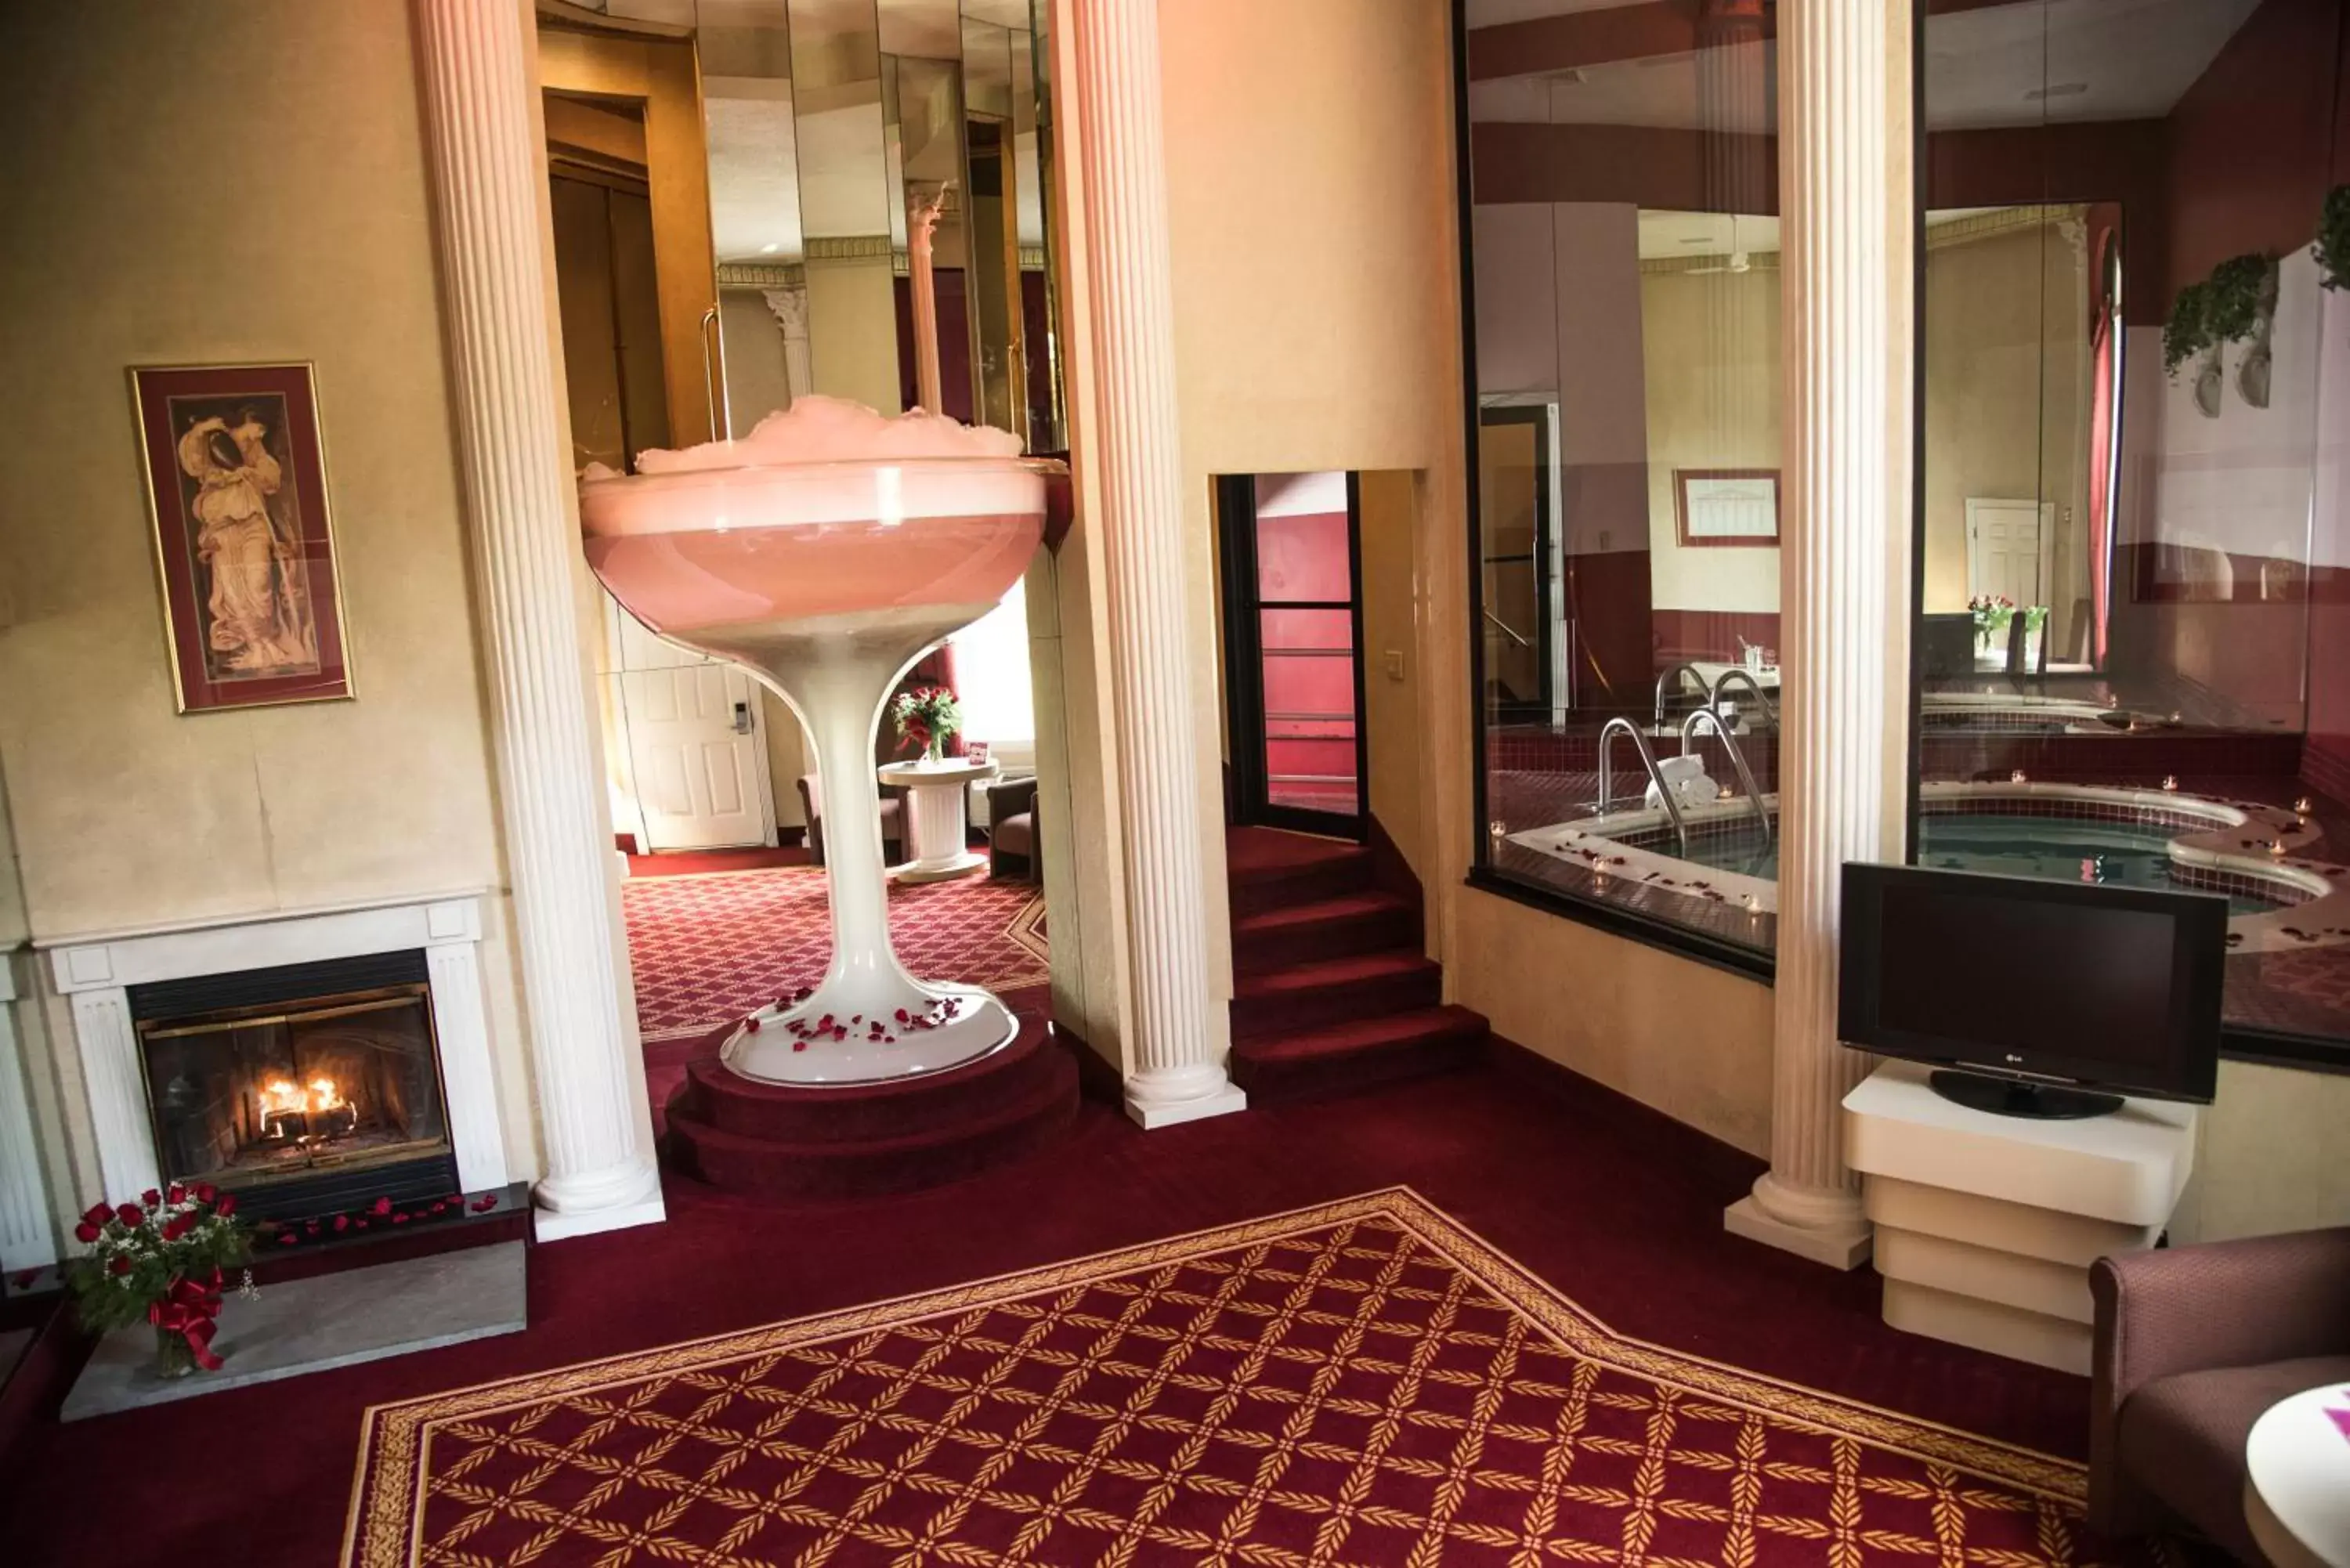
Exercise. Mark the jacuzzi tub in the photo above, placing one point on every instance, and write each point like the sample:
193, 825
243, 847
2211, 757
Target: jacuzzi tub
2130, 837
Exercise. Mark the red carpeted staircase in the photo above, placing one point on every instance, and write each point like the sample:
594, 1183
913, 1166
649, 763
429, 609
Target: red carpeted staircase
1331, 991
773, 1141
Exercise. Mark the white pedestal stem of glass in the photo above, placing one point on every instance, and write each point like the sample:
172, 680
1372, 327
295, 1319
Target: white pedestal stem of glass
867, 1020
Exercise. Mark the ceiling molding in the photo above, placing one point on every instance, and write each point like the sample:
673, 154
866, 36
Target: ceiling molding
1976, 227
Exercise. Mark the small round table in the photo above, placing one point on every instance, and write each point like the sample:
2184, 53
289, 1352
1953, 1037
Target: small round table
2297, 1480
937, 839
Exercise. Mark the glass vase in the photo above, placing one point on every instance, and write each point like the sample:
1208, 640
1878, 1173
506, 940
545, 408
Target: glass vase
174, 1357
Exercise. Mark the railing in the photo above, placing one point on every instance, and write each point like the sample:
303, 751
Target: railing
1770, 709
1673, 675
1506, 629
1737, 760
1648, 761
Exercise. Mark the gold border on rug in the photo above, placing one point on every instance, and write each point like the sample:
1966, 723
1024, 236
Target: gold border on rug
386, 1515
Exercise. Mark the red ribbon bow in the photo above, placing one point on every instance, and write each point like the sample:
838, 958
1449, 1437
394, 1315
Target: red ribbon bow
187, 1310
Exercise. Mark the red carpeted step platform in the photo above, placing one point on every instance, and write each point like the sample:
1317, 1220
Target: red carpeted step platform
1331, 991
772, 1141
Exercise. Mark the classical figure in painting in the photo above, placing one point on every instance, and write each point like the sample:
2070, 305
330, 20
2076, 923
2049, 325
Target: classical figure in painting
259, 616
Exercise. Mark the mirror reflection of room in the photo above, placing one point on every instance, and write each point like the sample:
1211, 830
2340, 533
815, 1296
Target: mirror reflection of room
2119, 578
755, 202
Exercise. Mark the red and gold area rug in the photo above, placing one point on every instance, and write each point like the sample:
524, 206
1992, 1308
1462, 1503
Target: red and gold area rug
1364, 1382
708, 948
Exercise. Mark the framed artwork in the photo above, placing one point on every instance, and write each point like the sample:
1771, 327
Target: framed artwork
236, 492
1729, 507
975, 753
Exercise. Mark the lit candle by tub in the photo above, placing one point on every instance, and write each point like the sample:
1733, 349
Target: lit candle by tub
2276, 847
1754, 905
2302, 808
2170, 782
2017, 777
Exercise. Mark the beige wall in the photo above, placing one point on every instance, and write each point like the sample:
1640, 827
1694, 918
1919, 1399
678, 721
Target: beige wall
1390, 527
1277, 155
184, 192
2270, 1156
2006, 397
853, 331
1711, 359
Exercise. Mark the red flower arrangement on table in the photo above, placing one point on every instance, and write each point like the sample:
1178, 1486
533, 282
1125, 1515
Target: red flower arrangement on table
159, 1260
927, 717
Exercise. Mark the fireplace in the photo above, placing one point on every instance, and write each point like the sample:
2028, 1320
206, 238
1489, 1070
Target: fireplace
305, 1089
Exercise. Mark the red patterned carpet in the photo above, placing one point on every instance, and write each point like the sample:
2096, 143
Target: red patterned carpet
1360, 1382
708, 948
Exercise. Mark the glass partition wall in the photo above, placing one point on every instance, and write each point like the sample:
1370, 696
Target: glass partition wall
1624, 246
2129, 526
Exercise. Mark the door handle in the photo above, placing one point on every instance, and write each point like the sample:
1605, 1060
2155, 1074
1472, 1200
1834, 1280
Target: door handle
742, 718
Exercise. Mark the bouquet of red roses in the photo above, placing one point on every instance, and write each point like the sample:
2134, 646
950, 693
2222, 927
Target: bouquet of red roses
159, 1259
927, 717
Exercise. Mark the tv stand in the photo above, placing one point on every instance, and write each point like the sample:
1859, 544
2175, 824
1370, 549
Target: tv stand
2014, 1097
1986, 1225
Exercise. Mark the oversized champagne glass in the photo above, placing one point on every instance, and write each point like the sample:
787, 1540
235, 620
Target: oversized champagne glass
825, 577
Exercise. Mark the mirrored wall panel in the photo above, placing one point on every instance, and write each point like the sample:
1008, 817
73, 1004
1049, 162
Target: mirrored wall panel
1625, 244
2132, 658
758, 201
846, 197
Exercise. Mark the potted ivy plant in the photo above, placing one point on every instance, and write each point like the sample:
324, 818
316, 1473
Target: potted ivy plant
2333, 239
2241, 306
158, 1260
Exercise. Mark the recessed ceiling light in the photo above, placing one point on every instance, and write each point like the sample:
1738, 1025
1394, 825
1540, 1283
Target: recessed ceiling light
2062, 89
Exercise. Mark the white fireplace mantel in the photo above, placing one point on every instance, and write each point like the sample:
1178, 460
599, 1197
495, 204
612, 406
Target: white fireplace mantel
95, 976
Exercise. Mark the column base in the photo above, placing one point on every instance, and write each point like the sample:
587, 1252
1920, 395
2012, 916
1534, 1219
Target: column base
1151, 1114
1840, 1244
555, 1225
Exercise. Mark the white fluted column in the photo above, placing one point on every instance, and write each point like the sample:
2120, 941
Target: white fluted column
1844, 192
488, 188
1174, 1069
28, 1240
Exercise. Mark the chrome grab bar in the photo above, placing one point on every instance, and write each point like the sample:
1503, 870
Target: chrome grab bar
1669, 675
1737, 760
1738, 672
1506, 629
1647, 761
714, 376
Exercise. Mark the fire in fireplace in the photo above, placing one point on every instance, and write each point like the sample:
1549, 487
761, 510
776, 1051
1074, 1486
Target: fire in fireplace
300, 1105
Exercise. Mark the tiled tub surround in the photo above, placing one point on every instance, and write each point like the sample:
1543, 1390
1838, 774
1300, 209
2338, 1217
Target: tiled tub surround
2221, 846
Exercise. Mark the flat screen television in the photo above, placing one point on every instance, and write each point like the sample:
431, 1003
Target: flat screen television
2029, 992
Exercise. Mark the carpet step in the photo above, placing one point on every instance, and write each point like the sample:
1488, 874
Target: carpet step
861, 1114
1304, 933
1359, 1055
766, 1167
1325, 870
1311, 996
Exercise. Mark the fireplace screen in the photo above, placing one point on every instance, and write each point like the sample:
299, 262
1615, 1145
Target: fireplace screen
244, 1097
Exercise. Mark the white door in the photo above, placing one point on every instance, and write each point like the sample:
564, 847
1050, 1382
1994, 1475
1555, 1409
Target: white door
697, 745
2005, 540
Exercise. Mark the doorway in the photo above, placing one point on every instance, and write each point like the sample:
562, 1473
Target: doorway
1292, 598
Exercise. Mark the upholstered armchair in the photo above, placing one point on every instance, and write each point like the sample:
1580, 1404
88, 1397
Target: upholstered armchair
2193, 1344
1012, 828
893, 820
